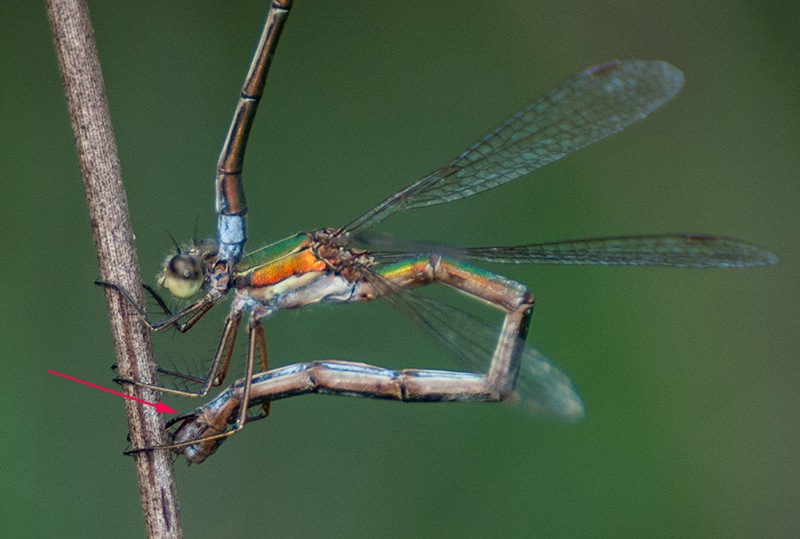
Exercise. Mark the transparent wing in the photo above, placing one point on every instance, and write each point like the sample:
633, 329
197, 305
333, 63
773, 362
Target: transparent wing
542, 389
597, 103
675, 250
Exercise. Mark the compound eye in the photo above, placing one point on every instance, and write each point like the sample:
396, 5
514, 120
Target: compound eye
183, 276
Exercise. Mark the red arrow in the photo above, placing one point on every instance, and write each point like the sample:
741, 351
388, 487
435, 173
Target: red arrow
160, 407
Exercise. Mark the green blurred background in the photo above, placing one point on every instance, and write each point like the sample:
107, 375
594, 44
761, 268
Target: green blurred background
690, 377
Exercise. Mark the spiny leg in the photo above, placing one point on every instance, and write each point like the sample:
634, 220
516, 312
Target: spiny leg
261, 346
255, 344
183, 327
172, 320
196, 310
216, 422
219, 365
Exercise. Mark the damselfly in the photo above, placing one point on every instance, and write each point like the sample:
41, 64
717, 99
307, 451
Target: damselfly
326, 266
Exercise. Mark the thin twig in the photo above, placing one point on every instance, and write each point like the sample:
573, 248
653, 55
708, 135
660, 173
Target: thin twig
97, 154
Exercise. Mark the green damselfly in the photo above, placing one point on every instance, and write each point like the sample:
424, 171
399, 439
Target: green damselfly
327, 266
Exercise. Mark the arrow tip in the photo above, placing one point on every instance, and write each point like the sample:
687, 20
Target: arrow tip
162, 408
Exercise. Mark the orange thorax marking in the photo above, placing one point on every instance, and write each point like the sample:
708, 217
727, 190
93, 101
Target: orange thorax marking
294, 264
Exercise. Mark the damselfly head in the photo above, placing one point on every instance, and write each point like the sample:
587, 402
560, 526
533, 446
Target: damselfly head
184, 273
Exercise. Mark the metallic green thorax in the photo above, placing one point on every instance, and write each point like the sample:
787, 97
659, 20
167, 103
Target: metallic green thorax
273, 252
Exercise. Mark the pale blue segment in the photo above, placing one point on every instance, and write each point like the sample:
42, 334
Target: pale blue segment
231, 236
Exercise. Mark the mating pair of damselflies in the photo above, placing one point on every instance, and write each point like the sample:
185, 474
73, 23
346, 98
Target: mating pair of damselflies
328, 266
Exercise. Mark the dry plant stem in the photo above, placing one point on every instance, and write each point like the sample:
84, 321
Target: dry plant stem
99, 164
